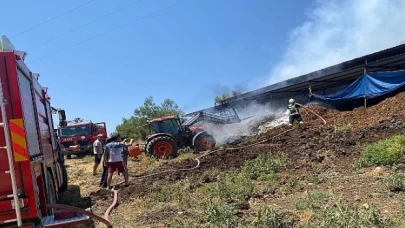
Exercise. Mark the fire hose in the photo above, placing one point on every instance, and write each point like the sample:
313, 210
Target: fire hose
320, 117
197, 159
77, 210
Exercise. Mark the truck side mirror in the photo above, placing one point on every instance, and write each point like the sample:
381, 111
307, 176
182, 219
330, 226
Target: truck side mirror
62, 115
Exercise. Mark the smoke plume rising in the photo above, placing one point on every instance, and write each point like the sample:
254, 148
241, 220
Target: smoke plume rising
335, 31
340, 30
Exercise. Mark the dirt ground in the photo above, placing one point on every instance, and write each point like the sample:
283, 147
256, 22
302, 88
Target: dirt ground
320, 157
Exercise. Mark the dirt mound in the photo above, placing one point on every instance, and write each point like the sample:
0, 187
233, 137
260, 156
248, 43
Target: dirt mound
387, 110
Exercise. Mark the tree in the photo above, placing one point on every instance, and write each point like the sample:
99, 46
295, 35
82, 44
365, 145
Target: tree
225, 96
135, 126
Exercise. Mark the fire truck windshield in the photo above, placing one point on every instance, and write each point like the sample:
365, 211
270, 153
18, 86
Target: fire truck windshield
74, 130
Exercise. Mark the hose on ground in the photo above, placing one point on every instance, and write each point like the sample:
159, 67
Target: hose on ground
78, 210
114, 203
324, 121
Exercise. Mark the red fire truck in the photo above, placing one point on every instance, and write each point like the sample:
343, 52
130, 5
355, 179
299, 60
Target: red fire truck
32, 169
78, 136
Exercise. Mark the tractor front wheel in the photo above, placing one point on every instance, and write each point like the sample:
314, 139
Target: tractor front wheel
204, 142
162, 147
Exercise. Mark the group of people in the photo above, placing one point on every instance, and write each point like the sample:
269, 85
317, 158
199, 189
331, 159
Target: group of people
113, 154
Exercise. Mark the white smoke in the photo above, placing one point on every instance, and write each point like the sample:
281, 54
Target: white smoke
255, 120
340, 30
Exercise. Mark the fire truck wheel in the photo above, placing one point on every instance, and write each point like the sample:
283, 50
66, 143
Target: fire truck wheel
51, 196
64, 185
162, 147
204, 142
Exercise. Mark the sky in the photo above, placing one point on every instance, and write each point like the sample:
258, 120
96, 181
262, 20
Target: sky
101, 58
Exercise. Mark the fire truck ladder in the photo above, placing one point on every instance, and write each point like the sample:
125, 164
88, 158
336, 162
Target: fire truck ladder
4, 124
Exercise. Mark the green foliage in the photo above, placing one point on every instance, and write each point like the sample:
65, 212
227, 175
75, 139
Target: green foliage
133, 126
396, 182
293, 184
387, 152
313, 200
326, 211
343, 129
183, 223
220, 215
268, 217
225, 96
315, 179
261, 166
341, 215
234, 186
175, 192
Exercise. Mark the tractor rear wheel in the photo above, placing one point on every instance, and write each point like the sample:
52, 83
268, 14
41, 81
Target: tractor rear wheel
204, 142
162, 147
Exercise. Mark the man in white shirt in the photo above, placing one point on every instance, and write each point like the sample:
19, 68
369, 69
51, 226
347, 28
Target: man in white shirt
113, 157
98, 152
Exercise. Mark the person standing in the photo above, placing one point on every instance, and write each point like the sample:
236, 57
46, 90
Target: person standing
104, 175
293, 108
125, 153
113, 156
98, 152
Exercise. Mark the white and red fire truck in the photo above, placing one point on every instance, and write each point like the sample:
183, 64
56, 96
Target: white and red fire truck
32, 169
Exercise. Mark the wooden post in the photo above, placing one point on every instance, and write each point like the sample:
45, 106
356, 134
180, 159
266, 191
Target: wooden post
365, 102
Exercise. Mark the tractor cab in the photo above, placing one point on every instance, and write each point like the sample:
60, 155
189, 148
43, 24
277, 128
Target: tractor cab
170, 125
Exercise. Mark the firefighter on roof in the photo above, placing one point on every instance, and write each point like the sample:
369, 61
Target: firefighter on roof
293, 108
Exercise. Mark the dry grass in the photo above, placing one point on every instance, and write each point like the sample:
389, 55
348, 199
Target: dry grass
229, 199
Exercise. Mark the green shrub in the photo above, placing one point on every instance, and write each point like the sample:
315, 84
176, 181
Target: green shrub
396, 182
315, 179
178, 192
219, 215
313, 200
293, 184
262, 165
267, 184
268, 217
340, 215
387, 152
184, 223
234, 186
343, 129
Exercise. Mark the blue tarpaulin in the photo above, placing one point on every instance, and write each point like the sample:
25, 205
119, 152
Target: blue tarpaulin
369, 85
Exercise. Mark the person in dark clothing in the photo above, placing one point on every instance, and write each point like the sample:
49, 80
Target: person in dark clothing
125, 153
293, 108
103, 181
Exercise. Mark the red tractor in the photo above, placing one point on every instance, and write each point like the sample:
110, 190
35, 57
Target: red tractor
168, 134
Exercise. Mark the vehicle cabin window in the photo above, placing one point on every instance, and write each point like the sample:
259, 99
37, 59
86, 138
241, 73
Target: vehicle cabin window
75, 130
169, 126
154, 128
99, 128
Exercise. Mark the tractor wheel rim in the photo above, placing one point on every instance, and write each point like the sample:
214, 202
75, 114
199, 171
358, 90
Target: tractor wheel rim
205, 143
163, 149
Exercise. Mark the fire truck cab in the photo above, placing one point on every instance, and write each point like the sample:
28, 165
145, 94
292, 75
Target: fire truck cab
78, 137
32, 169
